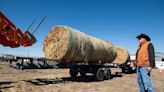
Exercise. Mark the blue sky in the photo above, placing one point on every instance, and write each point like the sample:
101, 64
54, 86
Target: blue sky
118, 21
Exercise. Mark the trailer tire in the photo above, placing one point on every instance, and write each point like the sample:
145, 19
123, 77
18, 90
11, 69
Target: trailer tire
100, 74
123, 70
83, 74
21, 67
107, 74
73, 73
17, 66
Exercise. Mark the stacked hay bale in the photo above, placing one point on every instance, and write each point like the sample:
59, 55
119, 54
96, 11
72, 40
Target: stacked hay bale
122, 55
71, 45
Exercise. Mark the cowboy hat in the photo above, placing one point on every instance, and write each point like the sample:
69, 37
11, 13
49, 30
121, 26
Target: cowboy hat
143, 36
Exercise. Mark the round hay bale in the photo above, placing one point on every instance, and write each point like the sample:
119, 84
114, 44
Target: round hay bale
68, 44
122, 56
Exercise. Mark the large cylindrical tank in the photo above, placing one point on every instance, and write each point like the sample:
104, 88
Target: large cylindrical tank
71, 45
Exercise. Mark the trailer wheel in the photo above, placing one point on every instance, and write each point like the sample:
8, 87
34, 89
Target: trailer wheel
123, 70
107, 74
17, 66
83, 74
100, 74
73, 73
21, 67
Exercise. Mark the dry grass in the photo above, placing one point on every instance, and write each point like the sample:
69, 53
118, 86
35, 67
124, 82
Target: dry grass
58, 80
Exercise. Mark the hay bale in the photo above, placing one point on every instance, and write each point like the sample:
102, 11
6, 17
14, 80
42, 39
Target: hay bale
56, 43
71, 45
122, 55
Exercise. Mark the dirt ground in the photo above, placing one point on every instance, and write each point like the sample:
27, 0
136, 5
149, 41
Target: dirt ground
59, 80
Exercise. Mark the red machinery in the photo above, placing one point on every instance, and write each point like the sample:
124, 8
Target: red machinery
12, 36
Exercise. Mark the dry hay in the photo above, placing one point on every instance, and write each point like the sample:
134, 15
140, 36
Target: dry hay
122, 55
68, 44
56, 43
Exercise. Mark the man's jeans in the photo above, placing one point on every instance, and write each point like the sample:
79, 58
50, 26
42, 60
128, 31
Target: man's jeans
144, 80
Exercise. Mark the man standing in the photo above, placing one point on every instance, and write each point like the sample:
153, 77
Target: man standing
145, 61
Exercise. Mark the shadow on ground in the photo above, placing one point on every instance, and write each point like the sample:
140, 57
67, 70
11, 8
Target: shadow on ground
6, 84
46, 81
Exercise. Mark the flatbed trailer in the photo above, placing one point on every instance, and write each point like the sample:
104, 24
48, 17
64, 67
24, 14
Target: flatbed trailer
30, 63
100, 71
